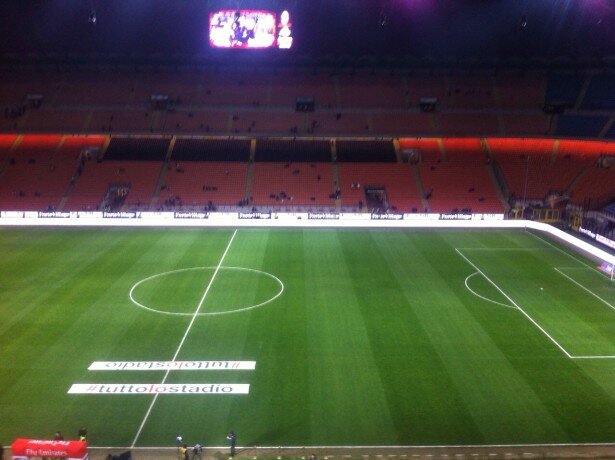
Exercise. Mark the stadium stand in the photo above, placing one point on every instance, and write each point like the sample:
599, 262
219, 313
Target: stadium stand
41, 169
526, 164
563, 89
521, 91
6, 143
595, 188
366, 91
202, 184
55, 120
293, 150
197, 121
137, 148
337, 123
220, 149
526, 124
394, 181
287, 86
237, 88
90, 189
285, 186
121, 120
365, 151
181, 89
399, 123
424, 149
426, 86
580, 125
460, 181
111, 89
474, 91
458, 124
278, 122
600, 93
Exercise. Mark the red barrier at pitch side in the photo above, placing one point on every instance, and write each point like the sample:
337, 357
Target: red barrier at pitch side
48, 448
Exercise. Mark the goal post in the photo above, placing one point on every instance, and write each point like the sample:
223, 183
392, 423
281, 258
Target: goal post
608, 269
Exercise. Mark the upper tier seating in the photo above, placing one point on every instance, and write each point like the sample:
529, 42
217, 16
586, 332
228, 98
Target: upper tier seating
365, 91
521, 91
287, 86
475, 91
580, 125
563, 89
459, 124
522, 124
600, 93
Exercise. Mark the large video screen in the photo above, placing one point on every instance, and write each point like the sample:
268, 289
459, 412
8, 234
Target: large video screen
250, 29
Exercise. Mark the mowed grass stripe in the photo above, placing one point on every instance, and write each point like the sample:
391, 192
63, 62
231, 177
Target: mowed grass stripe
212, 338
345, 386
419, 389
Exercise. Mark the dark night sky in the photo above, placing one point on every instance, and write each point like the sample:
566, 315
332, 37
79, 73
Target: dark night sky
451, 29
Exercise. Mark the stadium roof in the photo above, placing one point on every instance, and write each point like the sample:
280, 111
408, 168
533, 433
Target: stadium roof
368, 31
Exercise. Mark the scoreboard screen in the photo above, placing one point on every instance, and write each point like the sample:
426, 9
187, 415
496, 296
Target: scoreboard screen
250, 29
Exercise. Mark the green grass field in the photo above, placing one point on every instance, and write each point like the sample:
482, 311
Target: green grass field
369, 337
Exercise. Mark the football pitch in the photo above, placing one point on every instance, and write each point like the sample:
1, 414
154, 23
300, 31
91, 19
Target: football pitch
333, 337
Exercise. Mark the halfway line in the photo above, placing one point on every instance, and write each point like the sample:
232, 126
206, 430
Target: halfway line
181, 343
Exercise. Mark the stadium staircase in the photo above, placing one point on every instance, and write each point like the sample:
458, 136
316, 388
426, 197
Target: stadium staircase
163, 173
419, 186
498, 182
607, 127
335, 174
250, 179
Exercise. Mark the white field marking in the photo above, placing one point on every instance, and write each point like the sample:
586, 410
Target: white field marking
212, 313
558, 249
453, 446
583, 287
593, 357
499, 249
181, 343
515, 304
484, 298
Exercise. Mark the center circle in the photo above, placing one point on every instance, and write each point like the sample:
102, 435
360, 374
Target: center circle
183, 277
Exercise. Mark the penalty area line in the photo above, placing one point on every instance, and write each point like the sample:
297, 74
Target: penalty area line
181, 343
555, 342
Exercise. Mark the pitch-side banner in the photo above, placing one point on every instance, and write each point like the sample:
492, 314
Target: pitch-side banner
171, 365
47, 448
158, 388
